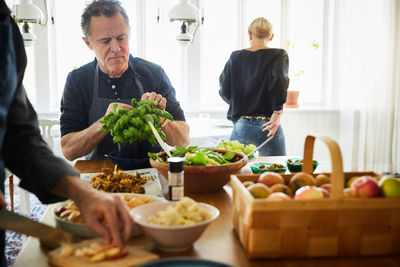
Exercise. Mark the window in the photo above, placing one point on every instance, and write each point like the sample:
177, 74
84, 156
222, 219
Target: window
194, 71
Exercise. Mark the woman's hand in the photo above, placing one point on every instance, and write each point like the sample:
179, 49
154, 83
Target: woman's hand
273, 124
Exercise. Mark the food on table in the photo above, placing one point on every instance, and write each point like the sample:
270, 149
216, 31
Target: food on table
195, 156
282, 188
278, 196
322, 179
131, 125
117, 181
247, 183
365, 187
259, 190
390, 186
94, 251
298, 161
185, 212
235, 145
71, 213
271, 178
308, 192
301, 179
273, 166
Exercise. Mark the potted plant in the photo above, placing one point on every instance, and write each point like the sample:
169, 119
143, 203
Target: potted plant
296, 72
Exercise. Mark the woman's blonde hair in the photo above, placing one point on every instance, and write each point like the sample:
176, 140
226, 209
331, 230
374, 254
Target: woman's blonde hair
261, 28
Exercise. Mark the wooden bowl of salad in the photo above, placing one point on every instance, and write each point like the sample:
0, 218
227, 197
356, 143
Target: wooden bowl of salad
208, 178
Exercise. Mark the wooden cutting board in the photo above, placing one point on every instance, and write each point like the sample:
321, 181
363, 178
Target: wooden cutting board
135, 257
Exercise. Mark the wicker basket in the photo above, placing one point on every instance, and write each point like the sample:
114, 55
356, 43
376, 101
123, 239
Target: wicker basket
334, 226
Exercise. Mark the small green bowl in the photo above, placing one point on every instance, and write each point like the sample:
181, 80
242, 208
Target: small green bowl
256, 168
297, 167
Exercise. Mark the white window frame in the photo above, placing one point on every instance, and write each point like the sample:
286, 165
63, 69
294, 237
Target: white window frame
45, 50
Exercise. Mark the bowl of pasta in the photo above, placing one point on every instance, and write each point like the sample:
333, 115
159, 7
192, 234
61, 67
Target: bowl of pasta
175, 226
68, 216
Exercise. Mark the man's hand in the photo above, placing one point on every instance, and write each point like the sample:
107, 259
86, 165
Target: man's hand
97, 207
120, 106
162, 101
3, 202
273, 124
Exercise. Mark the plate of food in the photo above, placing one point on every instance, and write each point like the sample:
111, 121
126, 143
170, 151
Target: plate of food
268, 167
68, 216
141, 181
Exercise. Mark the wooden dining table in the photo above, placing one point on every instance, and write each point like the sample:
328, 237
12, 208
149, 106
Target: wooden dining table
218, 243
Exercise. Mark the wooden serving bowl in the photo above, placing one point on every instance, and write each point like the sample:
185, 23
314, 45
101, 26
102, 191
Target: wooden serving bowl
201, 179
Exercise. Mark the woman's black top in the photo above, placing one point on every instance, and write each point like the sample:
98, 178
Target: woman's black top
254, 83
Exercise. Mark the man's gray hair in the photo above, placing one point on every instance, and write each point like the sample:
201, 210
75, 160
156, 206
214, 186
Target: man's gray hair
98, 8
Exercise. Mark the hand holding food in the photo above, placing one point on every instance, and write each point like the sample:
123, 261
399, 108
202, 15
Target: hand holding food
98, 207
131, 125
153, 96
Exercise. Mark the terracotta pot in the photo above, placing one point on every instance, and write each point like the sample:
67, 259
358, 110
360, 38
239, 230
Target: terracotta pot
291, 99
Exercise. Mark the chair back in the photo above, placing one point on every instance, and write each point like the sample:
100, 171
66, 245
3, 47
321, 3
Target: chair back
45, 129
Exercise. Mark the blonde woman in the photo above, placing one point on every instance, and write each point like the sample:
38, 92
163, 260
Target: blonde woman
254, 83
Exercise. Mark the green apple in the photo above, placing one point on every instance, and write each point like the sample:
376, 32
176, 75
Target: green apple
351, 180
390, 186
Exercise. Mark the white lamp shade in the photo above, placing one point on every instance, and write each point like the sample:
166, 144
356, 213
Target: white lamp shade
27, 11
184, 11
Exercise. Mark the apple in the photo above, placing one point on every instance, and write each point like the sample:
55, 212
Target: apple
322, 179
271, 178
282, 188
259, 190
301, 179
278, 196
365, 187
327, 187
325, 192
389, 186
308, 192
351, 180
247, 183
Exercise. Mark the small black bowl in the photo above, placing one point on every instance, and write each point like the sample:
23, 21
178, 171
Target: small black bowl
128, 164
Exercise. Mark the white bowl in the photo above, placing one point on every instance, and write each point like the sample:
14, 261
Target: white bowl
81, 230
171, 238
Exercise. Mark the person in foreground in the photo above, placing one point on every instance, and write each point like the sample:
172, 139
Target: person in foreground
254, 83
24, 152
114, 76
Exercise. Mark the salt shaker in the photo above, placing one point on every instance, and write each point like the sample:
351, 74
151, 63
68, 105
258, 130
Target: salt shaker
175, 178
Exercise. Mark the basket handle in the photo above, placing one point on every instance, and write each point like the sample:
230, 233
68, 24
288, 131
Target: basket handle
337, 175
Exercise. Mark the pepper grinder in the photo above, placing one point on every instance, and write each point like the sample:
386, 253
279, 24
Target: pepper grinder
175, 178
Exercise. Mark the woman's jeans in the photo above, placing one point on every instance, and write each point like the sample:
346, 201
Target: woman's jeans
249, 131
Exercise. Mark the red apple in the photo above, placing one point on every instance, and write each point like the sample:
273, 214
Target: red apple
308, 192
278, 196
271, 178
327, 187
325, 192
365, 186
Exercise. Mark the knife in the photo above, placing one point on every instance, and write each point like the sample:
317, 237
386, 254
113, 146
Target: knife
49, 236
258, 148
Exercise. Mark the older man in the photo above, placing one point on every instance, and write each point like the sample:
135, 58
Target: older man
25, 153
113, 77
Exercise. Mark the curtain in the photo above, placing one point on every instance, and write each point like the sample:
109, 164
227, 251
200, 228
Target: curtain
366, 71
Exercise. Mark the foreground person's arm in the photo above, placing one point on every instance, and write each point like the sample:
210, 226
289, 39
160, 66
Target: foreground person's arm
95, 207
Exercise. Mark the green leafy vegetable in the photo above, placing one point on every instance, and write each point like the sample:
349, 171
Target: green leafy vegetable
131, 125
